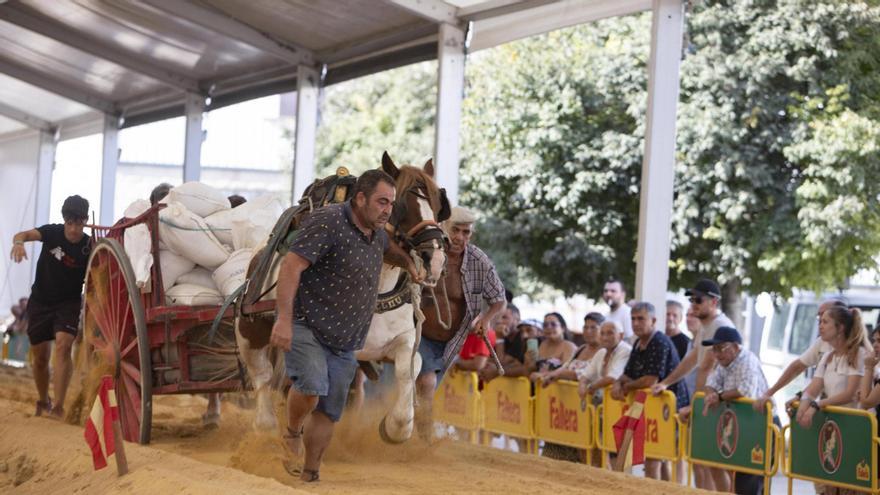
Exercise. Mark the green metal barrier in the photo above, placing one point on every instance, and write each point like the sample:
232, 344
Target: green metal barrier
732, 435
839, 449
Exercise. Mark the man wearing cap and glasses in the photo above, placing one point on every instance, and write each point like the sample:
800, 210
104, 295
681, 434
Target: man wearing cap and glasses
56, 296
738, 374
705, 299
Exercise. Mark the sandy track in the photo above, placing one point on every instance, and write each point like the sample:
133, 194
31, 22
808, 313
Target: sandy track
38, 455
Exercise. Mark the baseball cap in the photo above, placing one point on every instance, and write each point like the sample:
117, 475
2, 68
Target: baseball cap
705, 286
75, 206
722, 335
531, 322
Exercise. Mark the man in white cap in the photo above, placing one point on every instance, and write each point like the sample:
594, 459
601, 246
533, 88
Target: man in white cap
471, 284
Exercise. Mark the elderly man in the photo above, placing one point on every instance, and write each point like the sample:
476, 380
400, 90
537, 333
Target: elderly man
471, 282
614, 295
56, 296
652, 359
607, 364
327, 287
738, 374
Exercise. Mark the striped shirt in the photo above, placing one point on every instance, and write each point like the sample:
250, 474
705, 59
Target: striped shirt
480, 283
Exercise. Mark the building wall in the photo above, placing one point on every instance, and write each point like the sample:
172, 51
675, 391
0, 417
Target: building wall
18, 176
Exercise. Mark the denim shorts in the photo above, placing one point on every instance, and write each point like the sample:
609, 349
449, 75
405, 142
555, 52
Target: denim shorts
432, 357
316, 369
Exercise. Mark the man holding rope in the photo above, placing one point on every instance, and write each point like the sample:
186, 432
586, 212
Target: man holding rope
327, 288
471, 281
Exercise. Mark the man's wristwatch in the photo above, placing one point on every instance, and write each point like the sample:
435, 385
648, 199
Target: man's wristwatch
814, 404
18, 243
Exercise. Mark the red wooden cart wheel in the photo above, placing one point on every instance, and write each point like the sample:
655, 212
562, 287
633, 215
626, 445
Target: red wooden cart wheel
115, 333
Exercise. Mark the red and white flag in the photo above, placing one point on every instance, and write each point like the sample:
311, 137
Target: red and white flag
99, 426
632, 425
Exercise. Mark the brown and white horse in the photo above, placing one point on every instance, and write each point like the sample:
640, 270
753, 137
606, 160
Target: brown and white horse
419, 208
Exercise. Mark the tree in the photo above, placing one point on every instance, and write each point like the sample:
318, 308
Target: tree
391, 111
776, 147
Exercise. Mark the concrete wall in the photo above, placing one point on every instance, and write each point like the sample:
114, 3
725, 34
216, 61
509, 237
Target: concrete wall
18, 176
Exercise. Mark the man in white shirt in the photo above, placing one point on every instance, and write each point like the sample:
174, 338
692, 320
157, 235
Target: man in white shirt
705, 299
614, 296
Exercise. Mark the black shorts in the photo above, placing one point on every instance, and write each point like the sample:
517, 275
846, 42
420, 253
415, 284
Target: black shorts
45, 320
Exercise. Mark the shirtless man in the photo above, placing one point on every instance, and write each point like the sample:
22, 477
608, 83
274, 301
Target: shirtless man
470, 280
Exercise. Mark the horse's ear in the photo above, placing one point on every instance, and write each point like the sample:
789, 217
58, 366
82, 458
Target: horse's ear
389, 167
445, 209
429, 167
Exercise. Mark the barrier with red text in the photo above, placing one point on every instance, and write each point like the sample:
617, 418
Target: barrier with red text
562, 417
457, 401
661, 424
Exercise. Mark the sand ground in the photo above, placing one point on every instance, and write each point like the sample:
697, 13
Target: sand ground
39, 455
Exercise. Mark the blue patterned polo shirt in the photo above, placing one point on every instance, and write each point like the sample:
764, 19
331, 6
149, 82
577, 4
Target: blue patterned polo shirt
337, 292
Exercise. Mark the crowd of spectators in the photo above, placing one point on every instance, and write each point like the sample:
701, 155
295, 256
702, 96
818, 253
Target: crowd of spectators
713, 361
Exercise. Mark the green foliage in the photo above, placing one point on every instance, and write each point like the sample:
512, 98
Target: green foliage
777, 161
391, 111
776, 147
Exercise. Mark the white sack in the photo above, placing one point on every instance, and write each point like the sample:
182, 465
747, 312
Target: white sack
193, 295
199, 198
187, 234
230, 275
173, 266
137, 243
198, 276
253, 231
258, 212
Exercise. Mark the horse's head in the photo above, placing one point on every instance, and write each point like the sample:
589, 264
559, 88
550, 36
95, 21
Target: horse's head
418, 211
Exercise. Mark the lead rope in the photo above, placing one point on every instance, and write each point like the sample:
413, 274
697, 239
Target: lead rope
442, 323
416, 298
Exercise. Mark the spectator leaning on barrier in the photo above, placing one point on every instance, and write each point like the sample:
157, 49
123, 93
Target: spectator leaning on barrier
608, 363
474, 354
554, 350
652, 359
582, 357
839, 373
810, 358
614, 295
738, 374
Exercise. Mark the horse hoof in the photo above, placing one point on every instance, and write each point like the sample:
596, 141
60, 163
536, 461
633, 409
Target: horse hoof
383, 434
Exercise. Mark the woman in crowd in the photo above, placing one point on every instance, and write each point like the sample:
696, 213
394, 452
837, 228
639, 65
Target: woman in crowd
554, 350
581, 358
839, 372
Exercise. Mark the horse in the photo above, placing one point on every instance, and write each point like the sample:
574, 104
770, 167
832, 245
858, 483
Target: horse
419, 208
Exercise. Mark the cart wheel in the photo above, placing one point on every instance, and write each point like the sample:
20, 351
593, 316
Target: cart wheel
115, 336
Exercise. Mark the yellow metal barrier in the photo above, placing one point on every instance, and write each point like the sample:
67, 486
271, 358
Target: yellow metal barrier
661, 425
457, 402
508, 408
839, 449
563, 418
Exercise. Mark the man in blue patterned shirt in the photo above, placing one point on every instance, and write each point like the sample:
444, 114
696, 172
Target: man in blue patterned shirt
327, 288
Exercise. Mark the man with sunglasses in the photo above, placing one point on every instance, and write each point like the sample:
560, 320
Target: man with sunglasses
705, 299
56, 296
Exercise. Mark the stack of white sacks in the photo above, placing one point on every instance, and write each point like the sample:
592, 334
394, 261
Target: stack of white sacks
205, 245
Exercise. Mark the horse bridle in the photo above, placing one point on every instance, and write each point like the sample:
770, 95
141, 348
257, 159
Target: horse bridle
425, 235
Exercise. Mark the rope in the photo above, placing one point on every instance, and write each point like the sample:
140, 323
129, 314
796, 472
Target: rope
416, 297
228, 302
442, 323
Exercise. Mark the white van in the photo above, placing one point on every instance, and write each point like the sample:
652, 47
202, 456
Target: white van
792, 326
